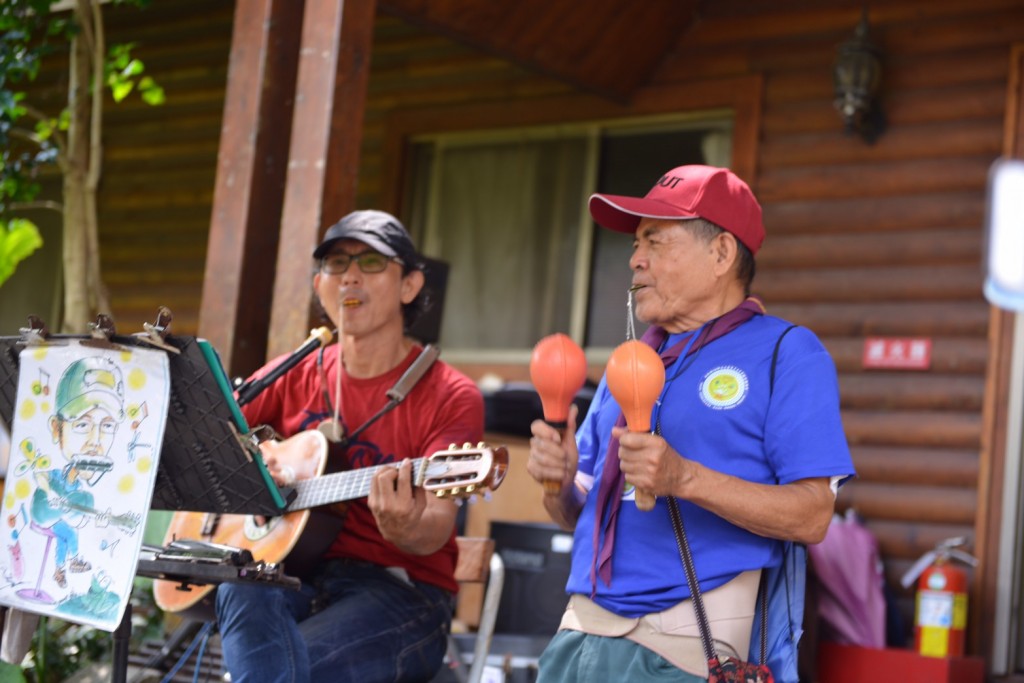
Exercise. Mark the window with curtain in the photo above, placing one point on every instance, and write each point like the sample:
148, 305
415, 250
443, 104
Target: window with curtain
508, 213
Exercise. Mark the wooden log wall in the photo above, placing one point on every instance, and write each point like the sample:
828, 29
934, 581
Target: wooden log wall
160, 162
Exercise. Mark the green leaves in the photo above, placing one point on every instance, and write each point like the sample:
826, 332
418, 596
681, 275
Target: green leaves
10, 673
18, 239
151, 93
122, 72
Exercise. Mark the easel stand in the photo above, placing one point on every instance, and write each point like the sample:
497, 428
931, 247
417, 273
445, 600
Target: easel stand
122, 638
209, 461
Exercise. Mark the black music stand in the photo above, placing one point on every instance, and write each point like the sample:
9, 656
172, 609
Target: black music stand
208, 462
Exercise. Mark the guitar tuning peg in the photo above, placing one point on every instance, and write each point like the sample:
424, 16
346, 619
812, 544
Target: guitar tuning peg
471, 488
439, 494
452, 446
481, 445
467, 445
456, 491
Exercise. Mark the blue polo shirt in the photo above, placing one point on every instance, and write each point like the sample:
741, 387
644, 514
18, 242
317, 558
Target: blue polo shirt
717, 409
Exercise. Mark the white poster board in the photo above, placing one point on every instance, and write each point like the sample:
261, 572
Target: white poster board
84, 448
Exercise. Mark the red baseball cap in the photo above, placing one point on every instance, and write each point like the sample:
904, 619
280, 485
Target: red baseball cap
714, 194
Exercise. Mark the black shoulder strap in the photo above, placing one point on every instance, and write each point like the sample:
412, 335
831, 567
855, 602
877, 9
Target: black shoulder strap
403, 386
787, 548
775, 358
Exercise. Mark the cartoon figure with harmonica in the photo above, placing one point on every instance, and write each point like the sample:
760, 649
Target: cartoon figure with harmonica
88, 409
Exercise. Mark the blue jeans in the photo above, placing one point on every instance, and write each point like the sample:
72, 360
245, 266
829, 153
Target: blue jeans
355, 621
67, 541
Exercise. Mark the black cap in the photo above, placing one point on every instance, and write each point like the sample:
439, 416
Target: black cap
376, 229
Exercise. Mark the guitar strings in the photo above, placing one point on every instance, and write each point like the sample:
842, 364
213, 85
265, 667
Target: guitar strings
349, 485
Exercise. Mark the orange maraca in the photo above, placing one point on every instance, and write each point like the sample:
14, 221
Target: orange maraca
636, 376
558, 369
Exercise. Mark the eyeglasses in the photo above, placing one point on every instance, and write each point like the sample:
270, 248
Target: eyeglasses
369, 262
85, 425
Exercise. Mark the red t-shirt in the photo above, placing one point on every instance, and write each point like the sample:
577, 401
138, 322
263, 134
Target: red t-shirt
444, 407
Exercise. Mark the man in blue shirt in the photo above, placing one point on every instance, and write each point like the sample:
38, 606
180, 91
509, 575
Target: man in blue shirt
747, 437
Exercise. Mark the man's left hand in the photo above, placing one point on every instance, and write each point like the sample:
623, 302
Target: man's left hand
649, 463
396, 504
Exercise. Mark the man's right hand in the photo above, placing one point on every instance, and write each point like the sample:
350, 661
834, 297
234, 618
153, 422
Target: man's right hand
553, 454
554, 457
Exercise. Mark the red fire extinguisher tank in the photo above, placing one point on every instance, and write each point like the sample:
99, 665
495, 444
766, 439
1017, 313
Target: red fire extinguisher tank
940, 617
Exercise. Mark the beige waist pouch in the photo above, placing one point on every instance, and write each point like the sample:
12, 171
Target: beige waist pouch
674, 633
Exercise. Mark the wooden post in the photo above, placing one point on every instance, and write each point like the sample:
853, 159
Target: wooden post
995, 419
323, 161
249, 189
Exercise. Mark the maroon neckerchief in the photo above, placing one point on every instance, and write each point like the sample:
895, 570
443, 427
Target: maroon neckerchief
609, 492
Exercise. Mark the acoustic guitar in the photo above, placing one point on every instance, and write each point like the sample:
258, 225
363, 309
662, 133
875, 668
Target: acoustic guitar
298, 537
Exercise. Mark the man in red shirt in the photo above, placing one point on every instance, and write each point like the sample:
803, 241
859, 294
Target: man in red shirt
378, 605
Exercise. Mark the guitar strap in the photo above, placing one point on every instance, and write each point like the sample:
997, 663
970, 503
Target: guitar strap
396, 394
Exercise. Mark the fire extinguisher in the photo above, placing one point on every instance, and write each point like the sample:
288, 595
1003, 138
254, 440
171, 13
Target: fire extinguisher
940, 614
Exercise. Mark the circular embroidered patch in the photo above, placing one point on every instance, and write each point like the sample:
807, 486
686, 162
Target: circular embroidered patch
724, 387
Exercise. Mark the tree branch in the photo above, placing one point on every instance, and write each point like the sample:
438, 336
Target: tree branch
23, 134
84, 9
58, 137
96, 136
43, 204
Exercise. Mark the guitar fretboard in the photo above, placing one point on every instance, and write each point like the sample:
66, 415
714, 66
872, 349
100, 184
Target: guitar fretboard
342, 486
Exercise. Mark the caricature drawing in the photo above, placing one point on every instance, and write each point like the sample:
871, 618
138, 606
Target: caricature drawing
89, 407
85, 443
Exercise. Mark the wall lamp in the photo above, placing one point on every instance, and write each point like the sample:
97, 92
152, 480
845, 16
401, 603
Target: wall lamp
857, 76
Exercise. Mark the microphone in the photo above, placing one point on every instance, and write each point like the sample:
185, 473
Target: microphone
318, 338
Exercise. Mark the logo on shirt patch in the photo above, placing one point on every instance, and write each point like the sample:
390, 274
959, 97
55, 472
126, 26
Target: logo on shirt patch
724, 387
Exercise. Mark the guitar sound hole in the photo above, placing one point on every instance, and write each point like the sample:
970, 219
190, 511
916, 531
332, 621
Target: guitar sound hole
256, 532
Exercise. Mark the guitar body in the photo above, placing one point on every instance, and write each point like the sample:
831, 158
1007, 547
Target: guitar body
306, 454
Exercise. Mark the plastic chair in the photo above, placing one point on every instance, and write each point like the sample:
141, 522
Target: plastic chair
478, 563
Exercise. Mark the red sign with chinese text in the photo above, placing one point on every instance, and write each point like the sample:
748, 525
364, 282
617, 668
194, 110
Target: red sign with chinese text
897, 353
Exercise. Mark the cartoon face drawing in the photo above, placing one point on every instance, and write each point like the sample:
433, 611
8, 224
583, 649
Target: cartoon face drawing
723, 387
89, 408
85, 440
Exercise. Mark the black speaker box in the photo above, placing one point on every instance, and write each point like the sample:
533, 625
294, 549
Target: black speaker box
511, 409
536, 558
427, 326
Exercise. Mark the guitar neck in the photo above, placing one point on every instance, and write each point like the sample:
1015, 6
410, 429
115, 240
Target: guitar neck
122, 521
342, 486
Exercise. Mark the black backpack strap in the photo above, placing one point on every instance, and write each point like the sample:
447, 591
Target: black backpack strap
775, 358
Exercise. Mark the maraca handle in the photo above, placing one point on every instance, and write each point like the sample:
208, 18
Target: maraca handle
552, 487
644, 500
